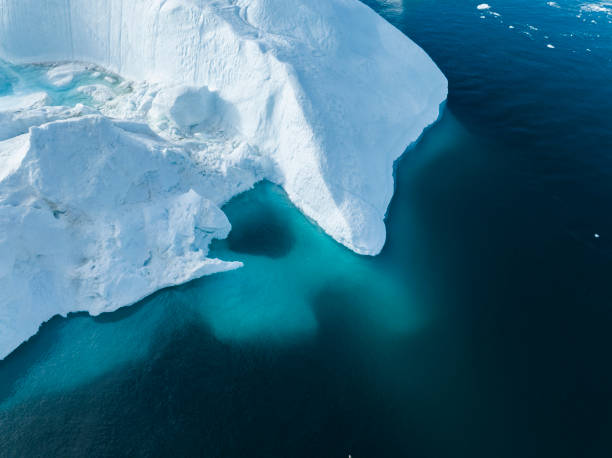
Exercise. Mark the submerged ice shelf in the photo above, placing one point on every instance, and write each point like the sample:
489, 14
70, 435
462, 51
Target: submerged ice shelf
111, 189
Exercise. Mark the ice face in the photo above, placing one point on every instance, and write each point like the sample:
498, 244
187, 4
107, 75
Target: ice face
220, 95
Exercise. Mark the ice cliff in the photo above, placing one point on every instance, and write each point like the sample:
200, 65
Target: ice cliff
102, 205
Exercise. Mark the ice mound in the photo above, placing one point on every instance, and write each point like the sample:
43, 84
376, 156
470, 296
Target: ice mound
97, 92
319, 96
183, 108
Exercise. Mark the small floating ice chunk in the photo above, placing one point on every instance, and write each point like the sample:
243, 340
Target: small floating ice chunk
63, 75
484, 6
596, 235
550, 46
553, 4
510, 26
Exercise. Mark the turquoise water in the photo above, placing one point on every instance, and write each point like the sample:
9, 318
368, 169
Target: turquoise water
27, 79
483, 329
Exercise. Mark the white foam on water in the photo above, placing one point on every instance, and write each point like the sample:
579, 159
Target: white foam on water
601, 7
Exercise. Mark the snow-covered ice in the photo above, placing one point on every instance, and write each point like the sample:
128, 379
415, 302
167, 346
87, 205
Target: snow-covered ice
96, 216
102, 205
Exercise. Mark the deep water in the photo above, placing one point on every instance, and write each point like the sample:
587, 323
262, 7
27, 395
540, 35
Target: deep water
484, 329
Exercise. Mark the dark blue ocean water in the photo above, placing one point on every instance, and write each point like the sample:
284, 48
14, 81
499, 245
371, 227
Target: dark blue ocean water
484, 329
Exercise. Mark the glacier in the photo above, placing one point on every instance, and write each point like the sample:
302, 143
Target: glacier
191, 102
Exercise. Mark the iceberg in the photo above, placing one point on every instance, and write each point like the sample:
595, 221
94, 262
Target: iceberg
104, 204
95, 216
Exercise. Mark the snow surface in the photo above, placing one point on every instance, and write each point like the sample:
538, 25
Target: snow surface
101, 206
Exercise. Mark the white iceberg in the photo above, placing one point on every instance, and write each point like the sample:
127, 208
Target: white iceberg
319, 96
95, 216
